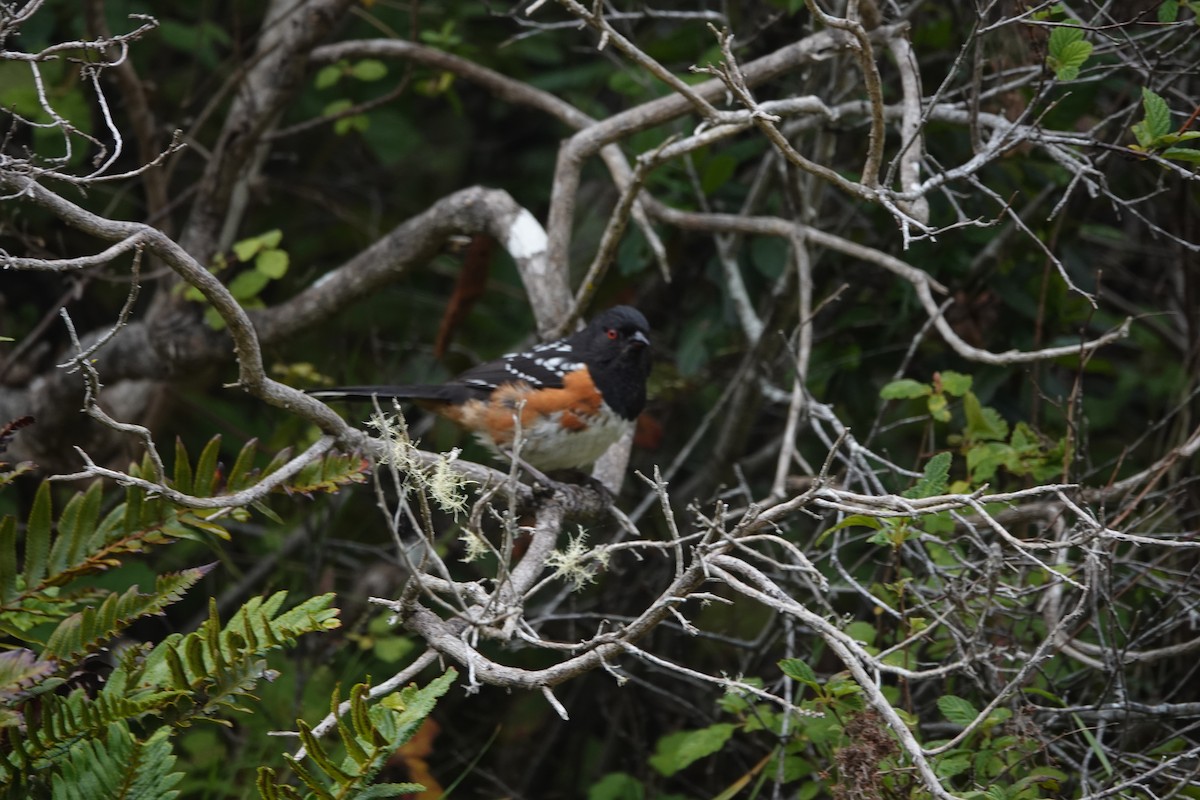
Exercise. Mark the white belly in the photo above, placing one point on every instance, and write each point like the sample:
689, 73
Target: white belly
548, 446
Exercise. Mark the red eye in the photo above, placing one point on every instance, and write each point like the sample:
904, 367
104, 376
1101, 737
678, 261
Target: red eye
612, 333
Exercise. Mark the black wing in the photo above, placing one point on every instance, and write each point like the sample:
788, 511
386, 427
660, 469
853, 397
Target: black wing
542, 367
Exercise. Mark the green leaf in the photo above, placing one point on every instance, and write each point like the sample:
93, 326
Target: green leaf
1024, 439
984, 459
1074, 56
1176, 138
330, 75
861, 631
676, 751
272, 263
955, 383
1168, 11
213, 319
799, 670
87, 630
336, 107
935, 478
1067, 52
248, 284
952, 764
939, 407
861, 520
248, 248
369, 69
183, 466
1061, 36
37, 537
956, 709
1189, 154
904, 389
983, 423
617, 786
240, 475
1094, 744
357, 122
205, 482
1158, 115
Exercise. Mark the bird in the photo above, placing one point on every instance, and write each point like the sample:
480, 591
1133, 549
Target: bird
575, 396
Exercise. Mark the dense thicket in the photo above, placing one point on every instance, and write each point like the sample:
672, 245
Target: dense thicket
911, 512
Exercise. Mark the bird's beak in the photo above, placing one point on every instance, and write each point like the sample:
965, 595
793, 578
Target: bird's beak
639, 339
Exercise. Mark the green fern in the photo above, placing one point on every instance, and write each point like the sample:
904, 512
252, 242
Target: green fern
201, 675
369, 735
84, 631
119, 766
22, 675
116, 741
80, 543
328, 474
60, 723
220, 666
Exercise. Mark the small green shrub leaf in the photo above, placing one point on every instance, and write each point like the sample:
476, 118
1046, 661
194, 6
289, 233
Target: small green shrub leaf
957, 710
1158, 115
983, 423
955, 383
935, 479
799, 670
272, 263
677, 751
369, 69
329, 75
1067, 52
904, 389
248, 284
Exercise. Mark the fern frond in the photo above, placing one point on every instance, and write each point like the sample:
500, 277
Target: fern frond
370, 737
118, 766
207, 474
8, 559
20, 671
217, 666
63, 722
86, 630
328, 474
183, 467
37, 537
76, 525
79, 543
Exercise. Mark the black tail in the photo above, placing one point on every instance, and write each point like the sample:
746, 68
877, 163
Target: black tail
416, 392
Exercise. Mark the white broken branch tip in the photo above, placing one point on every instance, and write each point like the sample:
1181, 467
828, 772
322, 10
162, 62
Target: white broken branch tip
526, 237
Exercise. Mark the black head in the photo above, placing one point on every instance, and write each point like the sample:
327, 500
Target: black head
616, 347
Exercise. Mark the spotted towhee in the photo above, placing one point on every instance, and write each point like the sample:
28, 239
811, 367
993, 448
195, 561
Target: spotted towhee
576, 395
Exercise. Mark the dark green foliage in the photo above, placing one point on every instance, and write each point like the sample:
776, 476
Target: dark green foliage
369, 735
117, 765
86, 630
83, 572
116, 740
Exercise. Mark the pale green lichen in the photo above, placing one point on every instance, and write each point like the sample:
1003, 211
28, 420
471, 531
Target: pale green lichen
444, 485
474, 546
571, 564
